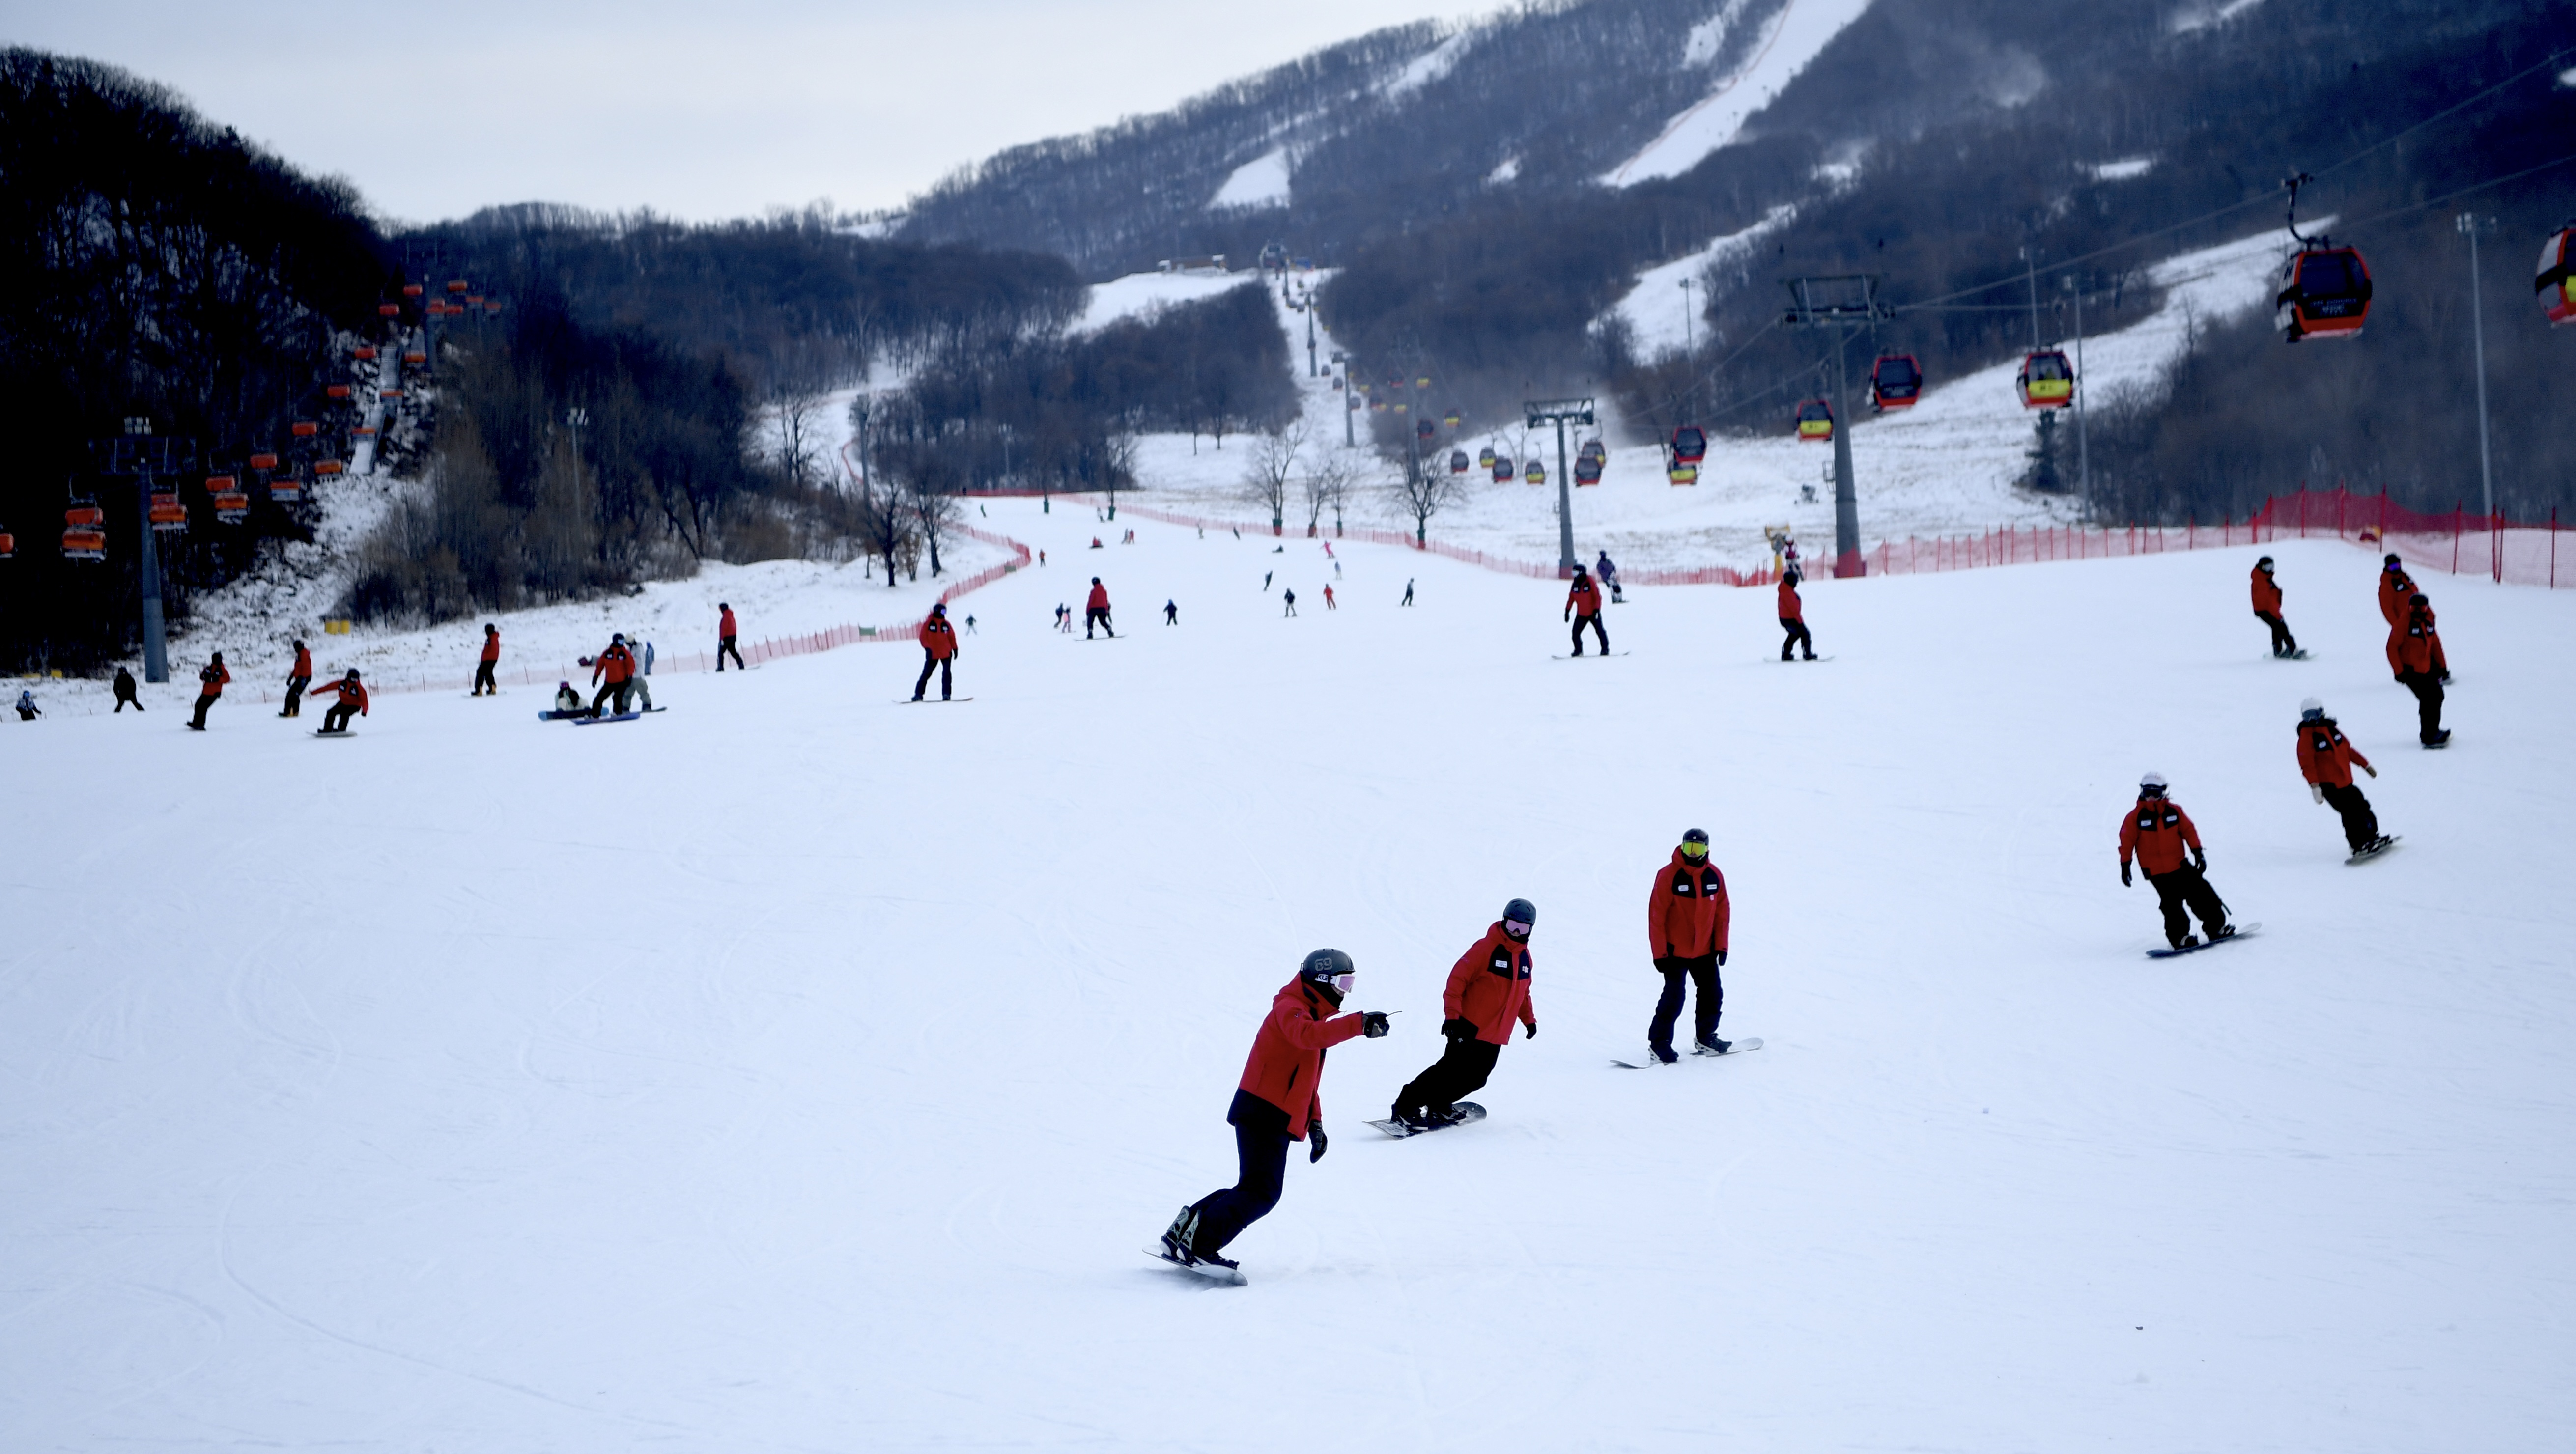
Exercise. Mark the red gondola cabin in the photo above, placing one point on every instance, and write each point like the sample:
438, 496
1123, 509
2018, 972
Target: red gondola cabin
2325, 293
2554, 285
2046, 381
1690, 444
1895, 382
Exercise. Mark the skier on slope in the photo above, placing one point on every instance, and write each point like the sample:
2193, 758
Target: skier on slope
1583, 608
298, 677
1489, 988
1408, 591
1608, 575
1290, 596
1328, 597
2415, 650
2395, 587
1275, 1103
27, 710
726, 631
211, 682
125, 691
484, 681
1793, 618
1686, 922
938, 649
1171, 613
2156, 832
2267, 609
617, 664
1095, 612
352, 703
2326, 760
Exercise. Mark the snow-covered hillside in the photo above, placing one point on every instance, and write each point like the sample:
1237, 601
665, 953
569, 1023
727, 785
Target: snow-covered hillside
1798, 32
697, 1083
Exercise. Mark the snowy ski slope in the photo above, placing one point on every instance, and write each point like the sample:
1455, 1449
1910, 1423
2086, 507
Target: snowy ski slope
801, 1070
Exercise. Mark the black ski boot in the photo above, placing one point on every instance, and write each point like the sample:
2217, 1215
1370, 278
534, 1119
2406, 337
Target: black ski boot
1663, 1054
1178, 1236
1711, 1045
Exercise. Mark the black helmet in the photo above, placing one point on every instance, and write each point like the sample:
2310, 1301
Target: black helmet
1327, 970
488, 628
2389, 560
1695, 838
2264, 564
1521, 912
353, 673
2419, 599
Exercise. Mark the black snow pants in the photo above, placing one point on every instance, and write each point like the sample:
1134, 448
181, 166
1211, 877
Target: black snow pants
1465, 1066
1701, 972
612, 689
1593, 620
2283, 643
2185, 886
2360, 825
1261, 1157
484, 679
338, 718
124, 697
1099, 618
1798, 636
929, 664
725, 648
2428, 704
294, 696
204, 701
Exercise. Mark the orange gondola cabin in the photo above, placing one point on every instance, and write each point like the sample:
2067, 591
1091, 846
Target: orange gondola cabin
2046, 381
2325, 293
1895, 382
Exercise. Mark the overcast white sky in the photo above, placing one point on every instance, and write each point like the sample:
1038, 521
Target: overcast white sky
698, 110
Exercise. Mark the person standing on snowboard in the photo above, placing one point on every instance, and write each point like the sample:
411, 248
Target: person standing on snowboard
1095, 610
1686, 921
298, 677
2326, 760
211, 683
2415, 650
2395, 588
1275, 1103
938, 649
1793, 618
1583, 608
617, 664
2267, 609
485, 684
2155, 833
1489, 988
352, 703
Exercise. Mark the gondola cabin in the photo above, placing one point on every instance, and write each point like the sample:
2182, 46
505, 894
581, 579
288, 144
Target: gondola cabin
336, 391
2046, 381
1682, 474
1450, 419
2325, 293
327, 467
1895, 382
1815, 422
165, 512
1423, 428
365, 353
263, 461
1587, 470
1593, 449
2554, 285
1457, 461
285, 489
1690, 444
1502, 469
84, 531
232, 502
1377, 406
1536, 474
304, 429
1485, 456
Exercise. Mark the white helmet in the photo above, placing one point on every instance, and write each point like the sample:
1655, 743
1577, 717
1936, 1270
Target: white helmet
2311, 708
2152, 782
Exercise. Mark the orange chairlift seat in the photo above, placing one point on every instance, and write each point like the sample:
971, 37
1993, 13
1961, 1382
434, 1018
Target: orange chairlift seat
84, 531
285, 489
328, 467
232, 502
304, 429
164, 511
336, 391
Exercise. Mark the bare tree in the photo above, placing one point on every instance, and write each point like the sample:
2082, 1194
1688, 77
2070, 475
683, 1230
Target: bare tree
1118, 461
1425, 493
1328, 486
925, 494
1272, 466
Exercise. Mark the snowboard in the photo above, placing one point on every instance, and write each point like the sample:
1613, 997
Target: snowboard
561, 714
1589, 656
1736, 1047
2243, 931
926, 701
343, 732
1784, 661
2299, 655
1469, 1114
2367, 854
2437, 746
1221, 1276
590, 721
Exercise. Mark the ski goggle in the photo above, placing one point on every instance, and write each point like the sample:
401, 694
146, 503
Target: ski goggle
1342, 983
1694, 850
1517, 928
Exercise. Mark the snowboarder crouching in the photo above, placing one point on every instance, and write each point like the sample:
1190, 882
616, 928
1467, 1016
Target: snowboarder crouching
1275, 1103
2326, 760
1489, 988
352, 703
2156, 832
566, 698
1686, 923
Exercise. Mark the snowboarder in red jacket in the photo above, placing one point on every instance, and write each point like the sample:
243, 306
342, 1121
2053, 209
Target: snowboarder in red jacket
1095, 611
352, 702
2326, 760
1489, 988
1686, 923
485, 683
1274, 1103
1793, 618
2155, 833
1583, 608
2267, 608
725, 633
938, 649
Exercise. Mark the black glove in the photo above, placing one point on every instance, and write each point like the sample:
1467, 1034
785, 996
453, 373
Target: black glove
1374, 1024
1458, 1029
1529, 1029
1721, 957
1314, 1143
2199, 861
1667, 964
2124, 873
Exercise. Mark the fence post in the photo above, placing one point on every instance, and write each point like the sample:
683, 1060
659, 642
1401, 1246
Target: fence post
2458, 508
2553, 547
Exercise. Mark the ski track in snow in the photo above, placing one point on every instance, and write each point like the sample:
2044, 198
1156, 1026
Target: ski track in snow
496, 1085
1798, 35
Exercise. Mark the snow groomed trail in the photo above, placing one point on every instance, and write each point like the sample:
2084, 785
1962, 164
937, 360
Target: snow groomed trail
795, 1069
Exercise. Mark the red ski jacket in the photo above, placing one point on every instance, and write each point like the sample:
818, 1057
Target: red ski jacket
617, 663
491, 646
1686, 914
2267, 594
2324, 756
1789, 607
939, 638
1287, 1057
1584, 599
1490, 985
1100, 598
216, 676
2155, 832
2396, 588
724, 627
2417, 646
303, 666
352, 694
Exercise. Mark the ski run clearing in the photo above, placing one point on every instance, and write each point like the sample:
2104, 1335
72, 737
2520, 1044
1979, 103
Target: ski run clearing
796, 1070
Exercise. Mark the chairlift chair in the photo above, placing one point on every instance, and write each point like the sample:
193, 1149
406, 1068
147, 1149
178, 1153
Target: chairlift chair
232, 502
1895, 382
2046, 380
263, 461
364, 353
165, 512
336, 391
84, 531
304, 429
328, 467
285, 489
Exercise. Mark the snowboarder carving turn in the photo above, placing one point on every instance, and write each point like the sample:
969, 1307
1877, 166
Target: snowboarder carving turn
1686, 923
1489, 988
2156, 833
1275, 1103
2326, 760
2267, 609
351, 702
1583, 608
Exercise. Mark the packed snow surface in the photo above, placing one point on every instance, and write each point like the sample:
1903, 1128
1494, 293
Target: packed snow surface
1139, 294
1260, 182
1656, 306
1799, 33
796, 1069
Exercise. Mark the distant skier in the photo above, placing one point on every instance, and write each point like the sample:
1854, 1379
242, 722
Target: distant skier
1096, 611
298, 677
1686, 923
1265, 581
212, 681
1583, 608
125, 691
938, 650
1290, 595
2415, 650
566, 698
2395, 587
2267, 609
2156, 832
726, 631
2326, 760
352, 703
970, 623
642, 650
1064, 618
1408, 591
617, 665
1793, 618
484, 681
27, 705
1171, 613
1275, 1103
1328, 597
1489, 988
1609, 576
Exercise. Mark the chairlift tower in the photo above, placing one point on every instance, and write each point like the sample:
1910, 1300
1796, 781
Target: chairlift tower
139, 454
1843, 303
1557, 411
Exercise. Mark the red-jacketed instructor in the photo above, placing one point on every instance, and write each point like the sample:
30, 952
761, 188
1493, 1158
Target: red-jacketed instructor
1489, 988
1686, 923
1275, 1103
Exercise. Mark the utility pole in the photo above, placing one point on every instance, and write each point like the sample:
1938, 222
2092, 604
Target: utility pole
577, 418
2083, 451
2030, 262
1308, 295
141, 454
1350, 397
1689, 315
2472, 224
1842, 303
1557, 412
